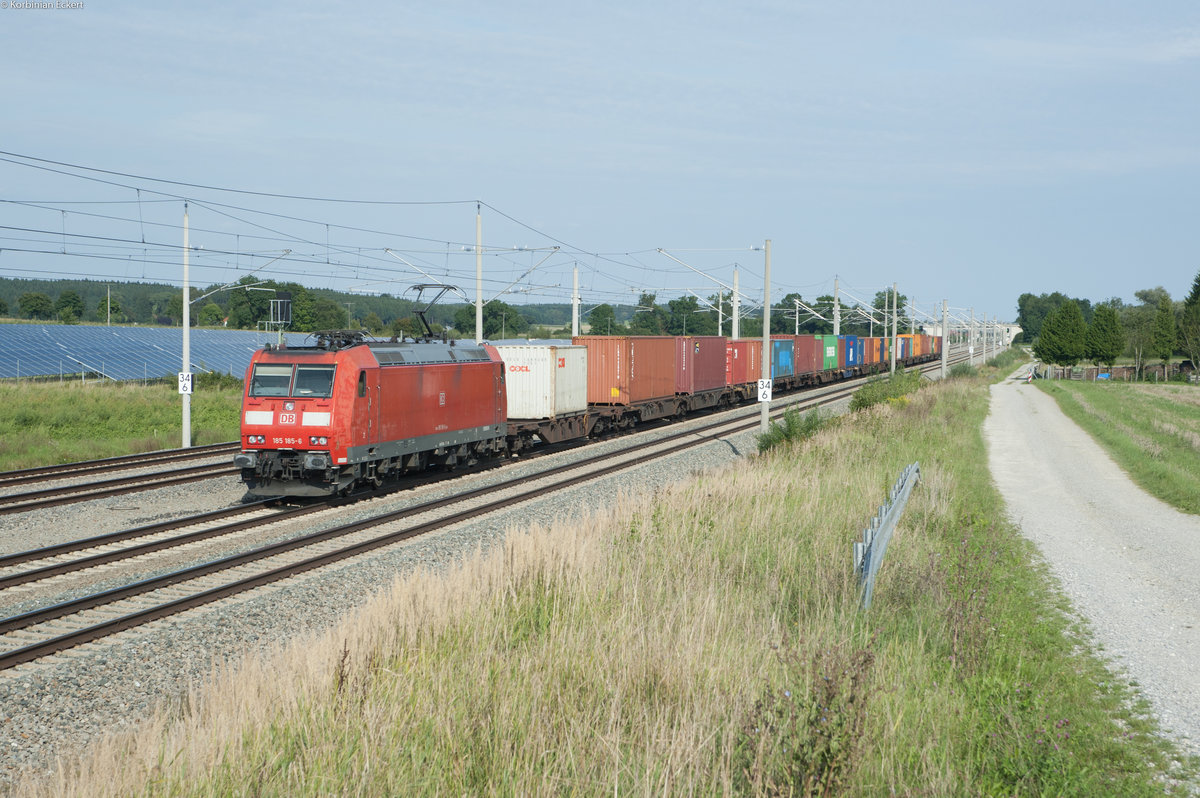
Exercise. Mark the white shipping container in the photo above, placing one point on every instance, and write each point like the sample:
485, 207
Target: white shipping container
545, 381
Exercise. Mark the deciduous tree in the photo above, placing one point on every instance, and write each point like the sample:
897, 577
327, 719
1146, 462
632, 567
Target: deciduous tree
500, 320
1138, 321
69, 306
649, 318
602, 320
211, 315
34, 305
373, 323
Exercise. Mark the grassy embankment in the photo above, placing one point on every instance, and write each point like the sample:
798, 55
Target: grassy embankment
704, 640
59, 422
1152, 431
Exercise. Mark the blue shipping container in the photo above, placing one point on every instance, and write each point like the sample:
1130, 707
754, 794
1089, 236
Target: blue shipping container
853, 350
783, 358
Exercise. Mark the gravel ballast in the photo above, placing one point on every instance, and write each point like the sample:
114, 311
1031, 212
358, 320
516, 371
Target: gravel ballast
1128, 562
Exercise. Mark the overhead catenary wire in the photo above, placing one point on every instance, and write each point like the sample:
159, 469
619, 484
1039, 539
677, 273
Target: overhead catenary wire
346, 252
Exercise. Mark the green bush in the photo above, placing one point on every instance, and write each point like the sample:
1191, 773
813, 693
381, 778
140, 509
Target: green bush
1008, 358
217, 380
792, 427
963, 370
886, 389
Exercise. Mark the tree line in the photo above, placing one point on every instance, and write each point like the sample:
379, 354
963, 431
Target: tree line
1066, 331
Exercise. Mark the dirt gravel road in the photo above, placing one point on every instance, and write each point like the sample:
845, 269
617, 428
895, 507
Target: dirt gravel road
1128, 562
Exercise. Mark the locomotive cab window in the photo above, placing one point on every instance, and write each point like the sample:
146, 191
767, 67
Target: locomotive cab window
314, 381
271, 379
362, 383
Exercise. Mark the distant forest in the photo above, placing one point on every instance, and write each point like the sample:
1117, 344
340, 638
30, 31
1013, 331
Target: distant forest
248, 305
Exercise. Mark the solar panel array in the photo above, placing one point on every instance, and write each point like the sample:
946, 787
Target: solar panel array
126, 353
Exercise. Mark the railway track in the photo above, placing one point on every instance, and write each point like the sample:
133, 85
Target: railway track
42, 632
86, 491
28, 476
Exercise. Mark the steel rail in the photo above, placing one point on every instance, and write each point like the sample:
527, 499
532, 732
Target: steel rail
53, 497
80, 544
81, 467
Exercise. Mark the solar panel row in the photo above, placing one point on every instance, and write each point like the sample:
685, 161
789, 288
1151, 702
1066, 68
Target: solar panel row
126, 353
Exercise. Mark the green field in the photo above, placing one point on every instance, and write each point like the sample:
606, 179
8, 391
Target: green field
46, 423
705, 640
1152, 431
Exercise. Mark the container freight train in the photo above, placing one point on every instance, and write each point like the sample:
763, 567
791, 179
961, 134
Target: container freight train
318, 420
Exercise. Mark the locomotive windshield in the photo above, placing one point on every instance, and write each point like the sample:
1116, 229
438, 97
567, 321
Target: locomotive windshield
313, 381
276, 379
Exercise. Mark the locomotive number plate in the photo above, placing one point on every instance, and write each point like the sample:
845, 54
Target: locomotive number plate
287, 441
287, 418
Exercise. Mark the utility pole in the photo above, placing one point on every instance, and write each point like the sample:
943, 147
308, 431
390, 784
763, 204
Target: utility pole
108, 304
185, 377
971, 340
837, 309
478, 275
796, 302
575, 301
945, 338
737, 313
987, 337
766, 339
895, 340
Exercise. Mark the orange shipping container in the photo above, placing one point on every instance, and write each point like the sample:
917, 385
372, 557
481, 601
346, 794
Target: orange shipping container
809, 354
629, 369
743, 361
871, 350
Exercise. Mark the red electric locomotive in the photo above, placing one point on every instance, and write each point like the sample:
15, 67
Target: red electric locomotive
316, 420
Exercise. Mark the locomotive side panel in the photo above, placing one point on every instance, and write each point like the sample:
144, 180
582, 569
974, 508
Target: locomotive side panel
430, 406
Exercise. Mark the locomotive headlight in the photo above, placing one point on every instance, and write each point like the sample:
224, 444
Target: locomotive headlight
318, 440
256, 438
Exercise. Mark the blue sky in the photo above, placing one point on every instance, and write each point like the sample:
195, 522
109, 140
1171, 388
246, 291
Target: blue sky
966, 151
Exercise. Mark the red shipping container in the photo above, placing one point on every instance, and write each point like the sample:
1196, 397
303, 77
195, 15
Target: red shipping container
841, 351
626, 370
809, 355
743, 361
699, 363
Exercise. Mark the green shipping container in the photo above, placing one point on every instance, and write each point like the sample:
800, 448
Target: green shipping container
829, 344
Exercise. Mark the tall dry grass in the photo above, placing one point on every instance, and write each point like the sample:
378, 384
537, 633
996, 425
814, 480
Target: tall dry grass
703, 640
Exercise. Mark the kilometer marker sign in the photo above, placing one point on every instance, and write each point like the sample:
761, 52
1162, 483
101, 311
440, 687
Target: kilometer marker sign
764, 390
